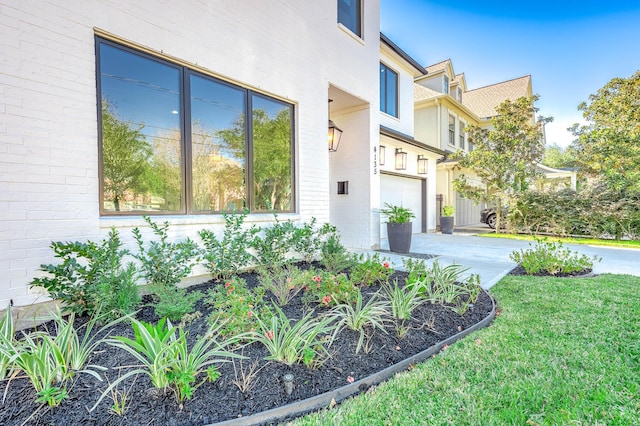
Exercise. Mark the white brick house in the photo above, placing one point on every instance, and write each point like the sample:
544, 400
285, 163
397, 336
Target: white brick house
60, 60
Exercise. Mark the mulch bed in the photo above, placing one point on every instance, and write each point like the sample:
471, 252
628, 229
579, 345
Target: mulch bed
519, 270
221, 400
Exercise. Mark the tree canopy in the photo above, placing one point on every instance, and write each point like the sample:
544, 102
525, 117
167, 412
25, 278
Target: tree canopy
505, 155
608, 146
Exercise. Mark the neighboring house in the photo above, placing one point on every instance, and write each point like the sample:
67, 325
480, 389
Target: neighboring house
112, 110
444, 106
407, 166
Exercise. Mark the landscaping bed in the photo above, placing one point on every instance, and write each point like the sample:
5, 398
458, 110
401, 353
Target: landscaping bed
223, 399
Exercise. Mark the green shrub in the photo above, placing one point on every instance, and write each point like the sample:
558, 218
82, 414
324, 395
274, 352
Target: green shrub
92, 277
335, 257
226, 256
164, 262
272, 244
235, 307
552, 258
370, 270
174, 302
327, 289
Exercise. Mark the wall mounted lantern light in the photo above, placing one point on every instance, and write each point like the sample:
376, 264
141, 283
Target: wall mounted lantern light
422, 165
334, 133
382, 151
401, 159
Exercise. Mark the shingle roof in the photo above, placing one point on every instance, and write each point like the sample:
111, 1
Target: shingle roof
438, 67
483, 101
421, 93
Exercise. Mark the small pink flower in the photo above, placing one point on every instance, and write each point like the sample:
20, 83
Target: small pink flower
350, 379
249, 314
269, 335
326, 300
227, 284
386, 265
445, 347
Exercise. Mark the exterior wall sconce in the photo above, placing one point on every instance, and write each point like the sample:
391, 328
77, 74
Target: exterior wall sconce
401, 159
382, 151
334, 133
422, 165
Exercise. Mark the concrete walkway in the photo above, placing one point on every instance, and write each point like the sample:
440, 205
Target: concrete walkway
489, 257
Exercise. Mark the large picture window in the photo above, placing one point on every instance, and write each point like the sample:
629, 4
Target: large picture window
173, 140
388, 90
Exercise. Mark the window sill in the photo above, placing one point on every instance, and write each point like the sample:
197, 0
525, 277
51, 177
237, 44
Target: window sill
353, 35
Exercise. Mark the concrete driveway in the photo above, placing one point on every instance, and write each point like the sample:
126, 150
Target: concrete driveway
489, 257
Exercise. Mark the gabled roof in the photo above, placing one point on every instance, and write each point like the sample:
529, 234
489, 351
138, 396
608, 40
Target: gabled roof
483, 101
440, 66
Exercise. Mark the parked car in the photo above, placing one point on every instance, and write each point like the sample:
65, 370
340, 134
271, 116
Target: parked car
489, 216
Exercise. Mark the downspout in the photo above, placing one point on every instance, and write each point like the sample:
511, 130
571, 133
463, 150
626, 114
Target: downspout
439, 126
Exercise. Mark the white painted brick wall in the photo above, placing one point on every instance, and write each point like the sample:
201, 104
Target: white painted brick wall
48, 128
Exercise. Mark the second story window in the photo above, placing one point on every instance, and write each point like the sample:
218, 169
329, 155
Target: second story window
388, 90
461, 135
452, 130
459, 95
349, 15
445, 86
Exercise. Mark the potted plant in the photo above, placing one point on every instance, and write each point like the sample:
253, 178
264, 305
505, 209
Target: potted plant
398, 227
446, 221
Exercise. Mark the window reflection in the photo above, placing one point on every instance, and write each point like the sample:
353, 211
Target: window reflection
272, 154
141, 135
143, 142
217, 145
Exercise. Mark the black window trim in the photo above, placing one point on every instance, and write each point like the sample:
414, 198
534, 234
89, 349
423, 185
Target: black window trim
185, 111
396, 88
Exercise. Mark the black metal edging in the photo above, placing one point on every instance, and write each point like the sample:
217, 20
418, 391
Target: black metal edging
337, 395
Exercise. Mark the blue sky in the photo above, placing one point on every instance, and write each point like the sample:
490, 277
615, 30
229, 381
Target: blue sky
570, 48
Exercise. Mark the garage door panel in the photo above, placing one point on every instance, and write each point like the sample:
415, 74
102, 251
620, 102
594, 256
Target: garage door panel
407, 192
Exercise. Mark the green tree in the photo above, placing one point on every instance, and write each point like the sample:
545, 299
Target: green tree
125, 156
505, 155
558, 157
608, 146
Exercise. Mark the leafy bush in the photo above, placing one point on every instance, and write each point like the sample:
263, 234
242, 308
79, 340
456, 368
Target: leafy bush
370, 270
327, 289
164, 262
272, 244
226, 256
236, 307
92, 277
416, 269
335, 257
174, 302
552, 258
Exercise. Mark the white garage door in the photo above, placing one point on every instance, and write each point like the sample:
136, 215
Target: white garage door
403, 191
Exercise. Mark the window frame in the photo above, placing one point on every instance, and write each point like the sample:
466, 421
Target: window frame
452, 130
445, 85
385, 69
461, 135
186, 190
357, 31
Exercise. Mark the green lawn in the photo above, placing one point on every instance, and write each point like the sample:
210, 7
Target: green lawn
561, 351
568, 240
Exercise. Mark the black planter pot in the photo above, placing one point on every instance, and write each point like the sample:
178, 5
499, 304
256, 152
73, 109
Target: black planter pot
399, 237
446, 224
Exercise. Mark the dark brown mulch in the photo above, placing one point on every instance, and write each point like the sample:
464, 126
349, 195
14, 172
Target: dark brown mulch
519, 270
221, 400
